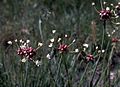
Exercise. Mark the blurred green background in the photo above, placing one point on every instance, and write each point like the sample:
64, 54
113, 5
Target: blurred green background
19, 19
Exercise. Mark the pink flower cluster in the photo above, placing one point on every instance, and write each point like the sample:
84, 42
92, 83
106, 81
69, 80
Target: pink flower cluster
27, 52
90, 57
114, 40
63, 47
105, 14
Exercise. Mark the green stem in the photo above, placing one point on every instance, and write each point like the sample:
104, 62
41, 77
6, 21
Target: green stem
107, 67
103, 34
66, 69
26, 74
91, 81
83, 75
40, 30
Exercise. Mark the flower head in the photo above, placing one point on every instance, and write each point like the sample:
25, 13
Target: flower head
105, 14
114, 40
27, 52
63, 47
89, 57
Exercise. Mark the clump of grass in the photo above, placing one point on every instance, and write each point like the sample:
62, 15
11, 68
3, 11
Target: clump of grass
57, 58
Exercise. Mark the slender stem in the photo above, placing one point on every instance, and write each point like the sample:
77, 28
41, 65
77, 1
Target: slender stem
52, 76
66, 68
91, 81
58, 70
106, 68
103, 33
101, 3
40, 30
83, 75
26, 74
109, 61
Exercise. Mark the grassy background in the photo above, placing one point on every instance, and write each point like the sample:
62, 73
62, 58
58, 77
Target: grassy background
19, 19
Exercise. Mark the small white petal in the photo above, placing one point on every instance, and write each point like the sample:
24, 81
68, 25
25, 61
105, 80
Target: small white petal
96, 47
103, 51
112, 75
116, 6
22, 46
50, 45
28, 41
52, 40
24, 60
99, 51
107, 8
104, 2
84, 49
21, 40
48, 56
111, 4
59, 39
73, 40
16, 40
116, 16
76, 50
9, 42
53, 31
118, 23
108, 35
38, 63
93, 4
85, 45
66, 35
113, 30
25, 44
40, 44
